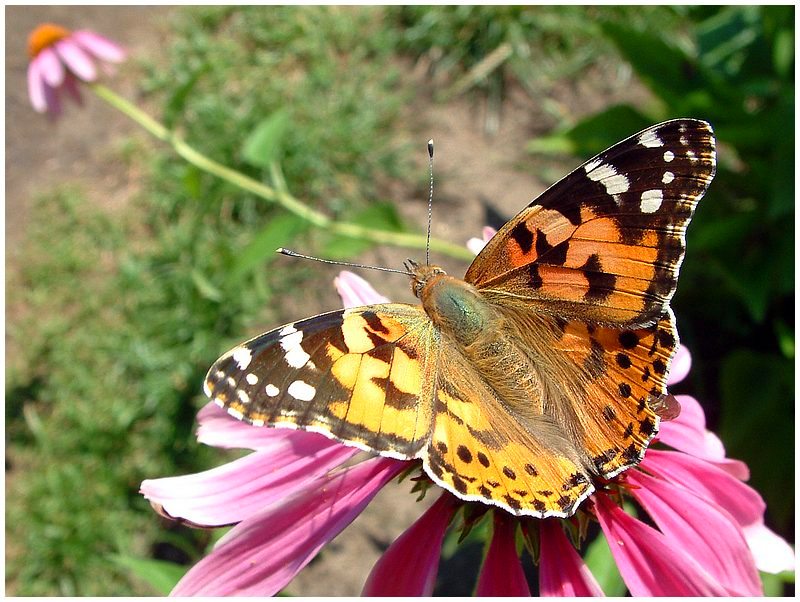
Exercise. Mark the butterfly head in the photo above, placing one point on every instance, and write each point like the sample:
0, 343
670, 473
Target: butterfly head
422, 275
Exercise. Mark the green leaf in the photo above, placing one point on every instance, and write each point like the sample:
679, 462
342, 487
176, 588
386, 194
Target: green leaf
757, 424
668, 71
774, 585
785, 336
381, 216
601, 563
162, 576
594, 134
264, 144
279, 232
205, 287
177, 100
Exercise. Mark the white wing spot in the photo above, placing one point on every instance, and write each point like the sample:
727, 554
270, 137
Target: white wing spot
251, 379
272, 390
291, 344
692, 157
235, 413
684, 140
302, 390
230, 381
206, 389
606, 174
243, 397
651, 201
242, 356
669, 156
650, 140
668, 177
257, 423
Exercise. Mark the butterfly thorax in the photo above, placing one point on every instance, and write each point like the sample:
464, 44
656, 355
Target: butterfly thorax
482, 335
452, 304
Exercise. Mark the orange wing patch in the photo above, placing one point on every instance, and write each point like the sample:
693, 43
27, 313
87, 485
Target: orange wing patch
624, 374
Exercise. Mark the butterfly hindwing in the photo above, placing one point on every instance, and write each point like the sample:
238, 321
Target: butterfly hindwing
604, 243
619, 377
359, 375
482, 449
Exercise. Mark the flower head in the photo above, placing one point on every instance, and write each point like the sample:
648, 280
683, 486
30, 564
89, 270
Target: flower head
702, 531
60, 58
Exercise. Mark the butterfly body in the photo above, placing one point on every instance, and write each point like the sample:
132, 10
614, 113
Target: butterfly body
543, 369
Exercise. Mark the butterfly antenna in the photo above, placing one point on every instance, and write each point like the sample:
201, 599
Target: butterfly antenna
289, 253
430, 204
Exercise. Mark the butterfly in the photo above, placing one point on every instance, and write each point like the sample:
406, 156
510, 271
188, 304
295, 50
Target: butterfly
540, 372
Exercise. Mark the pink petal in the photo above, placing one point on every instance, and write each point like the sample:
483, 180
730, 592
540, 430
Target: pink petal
680, 365
772, 553
235, 491
53, 101
36, 86
688, 434
706, 531
99, 46
476, 244
688, 431
355, 291
562, 571
51, 68
410, 565
262, 554
709, 482
650, 564
501, 573
76, 59
71, 86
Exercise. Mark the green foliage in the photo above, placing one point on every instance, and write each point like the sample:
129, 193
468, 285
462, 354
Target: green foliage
734, 68
264, 144
547, 45
325, 75
162, 576
601, 563
107, 370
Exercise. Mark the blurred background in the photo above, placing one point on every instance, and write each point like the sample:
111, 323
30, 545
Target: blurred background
128, 271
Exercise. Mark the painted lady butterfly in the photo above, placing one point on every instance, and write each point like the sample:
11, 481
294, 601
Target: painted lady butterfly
541, 371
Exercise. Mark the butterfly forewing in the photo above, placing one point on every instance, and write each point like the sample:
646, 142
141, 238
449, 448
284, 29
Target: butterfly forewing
359, 375
604, 243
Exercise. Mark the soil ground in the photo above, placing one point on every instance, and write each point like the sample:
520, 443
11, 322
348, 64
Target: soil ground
472, 170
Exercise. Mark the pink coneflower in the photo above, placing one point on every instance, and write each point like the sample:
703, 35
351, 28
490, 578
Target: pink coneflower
298, 490
60, 59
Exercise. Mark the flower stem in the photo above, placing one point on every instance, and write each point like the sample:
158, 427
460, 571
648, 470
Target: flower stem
281, 196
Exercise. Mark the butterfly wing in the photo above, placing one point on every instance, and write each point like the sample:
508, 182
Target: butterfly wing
482, 450
363, 376
603, 383
604, 243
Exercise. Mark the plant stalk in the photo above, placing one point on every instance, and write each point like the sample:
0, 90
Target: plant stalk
268, 193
